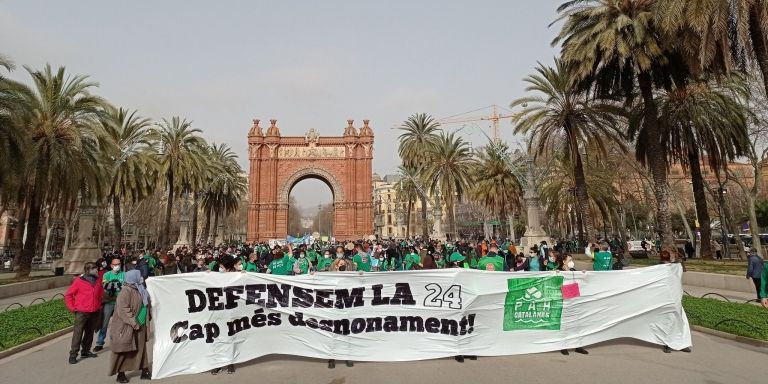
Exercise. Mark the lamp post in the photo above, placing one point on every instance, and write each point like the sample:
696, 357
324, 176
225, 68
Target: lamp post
721, 191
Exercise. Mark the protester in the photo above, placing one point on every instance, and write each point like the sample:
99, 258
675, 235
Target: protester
83, 298
281, 263
112, 282
492, 258
128, 333
362, 259
602, 259
302, 265
324, 263
412, 260
755, 270
229, 264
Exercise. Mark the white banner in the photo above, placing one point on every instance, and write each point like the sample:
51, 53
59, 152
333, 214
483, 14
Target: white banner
208, 320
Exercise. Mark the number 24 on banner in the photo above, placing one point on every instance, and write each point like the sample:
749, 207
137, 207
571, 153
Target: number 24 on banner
452, 296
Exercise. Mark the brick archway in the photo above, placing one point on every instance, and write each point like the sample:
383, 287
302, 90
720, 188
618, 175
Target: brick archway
278, 162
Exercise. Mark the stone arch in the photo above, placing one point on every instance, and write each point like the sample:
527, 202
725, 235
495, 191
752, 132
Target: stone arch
303, 173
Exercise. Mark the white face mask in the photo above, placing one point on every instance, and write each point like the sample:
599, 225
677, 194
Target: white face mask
571, 264
339, 255
221, 269
116, 268
94, 271
239, 267
301, 255
327, 256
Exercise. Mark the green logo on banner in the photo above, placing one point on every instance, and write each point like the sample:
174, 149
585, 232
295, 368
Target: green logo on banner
533, 303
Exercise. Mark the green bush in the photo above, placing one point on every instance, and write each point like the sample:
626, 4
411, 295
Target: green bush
17, 326
710, 313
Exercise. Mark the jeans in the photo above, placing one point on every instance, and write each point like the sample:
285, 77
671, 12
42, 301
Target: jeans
106, 310
86, 323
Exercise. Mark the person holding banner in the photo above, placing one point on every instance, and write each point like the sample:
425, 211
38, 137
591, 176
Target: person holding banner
302, 265
281, 264
230, 264
324, 262
128, 331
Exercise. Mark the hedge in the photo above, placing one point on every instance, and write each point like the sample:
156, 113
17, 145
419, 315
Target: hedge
19, 325
747, 320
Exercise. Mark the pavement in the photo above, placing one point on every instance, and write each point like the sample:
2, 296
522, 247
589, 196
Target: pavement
713, 361
28, 298
12, 275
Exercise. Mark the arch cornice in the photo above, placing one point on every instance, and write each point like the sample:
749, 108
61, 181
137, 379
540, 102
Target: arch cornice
336, 187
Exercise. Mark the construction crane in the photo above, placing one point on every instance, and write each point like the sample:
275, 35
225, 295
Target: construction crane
493, 118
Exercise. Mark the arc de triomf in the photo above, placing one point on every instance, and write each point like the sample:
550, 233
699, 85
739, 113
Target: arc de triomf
278, 162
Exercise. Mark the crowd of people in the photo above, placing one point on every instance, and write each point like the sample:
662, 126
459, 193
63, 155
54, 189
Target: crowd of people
110, 297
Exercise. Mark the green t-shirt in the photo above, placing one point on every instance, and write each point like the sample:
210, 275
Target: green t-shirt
282, 266
213, 266
112, 283
473, 258
411, 259
392, 264
251, 267
497, 261
602, 261
313, 256
363, 261
324, 264
303, 263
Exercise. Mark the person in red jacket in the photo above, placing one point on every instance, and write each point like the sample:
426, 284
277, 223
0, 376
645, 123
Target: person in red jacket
83, 298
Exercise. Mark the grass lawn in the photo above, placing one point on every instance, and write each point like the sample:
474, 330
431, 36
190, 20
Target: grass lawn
727, 267
728, 317
17, 326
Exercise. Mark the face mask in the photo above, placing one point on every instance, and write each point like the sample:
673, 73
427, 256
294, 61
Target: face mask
134, 262
239, 267
302, 255
327, 256
103, 264
221, 269
343, 268
570, 264
93, 271
551, 259
116, 268
339, 255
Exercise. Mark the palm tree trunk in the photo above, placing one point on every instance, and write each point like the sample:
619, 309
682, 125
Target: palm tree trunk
582, 197
408, 218
118, 217
165, 241
215, 225
207, 225
195, 204
656, 162
759, 44
702, 212
424, 227
451, 221
33, 224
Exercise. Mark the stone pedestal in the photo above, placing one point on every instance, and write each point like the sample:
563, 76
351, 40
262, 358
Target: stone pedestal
183, 240
437, 226
534, 232
84, 249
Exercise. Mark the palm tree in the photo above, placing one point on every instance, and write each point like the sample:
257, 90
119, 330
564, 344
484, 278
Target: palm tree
59, 118
418, 138
705, 121
449, 172
561, 118
611, 46
225, 189
134, 164
181, 159
408, 190
12, 139
494, 184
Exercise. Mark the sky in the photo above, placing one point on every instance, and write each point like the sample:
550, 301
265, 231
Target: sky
308, 64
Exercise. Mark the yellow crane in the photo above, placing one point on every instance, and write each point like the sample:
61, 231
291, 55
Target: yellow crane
493, 118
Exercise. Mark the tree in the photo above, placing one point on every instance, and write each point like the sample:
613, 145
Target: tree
494, 184
611, 46
560, 118
449, 172
181, 159
58, 116
418, 138
704, 121
227, 187
407, 190
134, 163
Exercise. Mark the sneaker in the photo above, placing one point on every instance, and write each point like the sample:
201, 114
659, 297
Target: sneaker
145, 375
215, 371
564, 352
350, 363
667, 349
581, 351
73, 360
98, 348
231, 369
472, 357
88, 354
459, 358
121, 377
331, 364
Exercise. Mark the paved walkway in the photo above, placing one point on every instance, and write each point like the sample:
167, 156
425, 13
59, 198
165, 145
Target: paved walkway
28, 298
714, 360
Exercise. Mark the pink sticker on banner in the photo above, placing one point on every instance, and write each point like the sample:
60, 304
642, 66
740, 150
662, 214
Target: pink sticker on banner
570, 291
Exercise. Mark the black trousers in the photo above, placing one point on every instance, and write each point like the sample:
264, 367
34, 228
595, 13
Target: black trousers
757, 282
86, 323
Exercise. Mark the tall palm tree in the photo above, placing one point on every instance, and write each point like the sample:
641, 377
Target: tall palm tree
226, 189
494, 184
59, 117
561, 118
180, 158
705, 121
407, 190
420, 135
611, 46
449, 172
134, 163
12, 139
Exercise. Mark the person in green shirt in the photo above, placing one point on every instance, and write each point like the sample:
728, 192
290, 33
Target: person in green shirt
252, 264
324, 262
363, 261
112, 281
412, 259
457, 260
390, 261
281, 265
602, 259
302, 265
313, 256
764, 288
492, 258
472, 257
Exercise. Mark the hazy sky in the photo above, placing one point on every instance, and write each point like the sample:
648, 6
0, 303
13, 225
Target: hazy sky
309, 64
